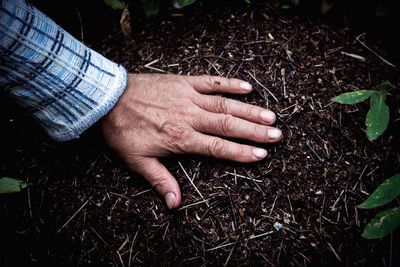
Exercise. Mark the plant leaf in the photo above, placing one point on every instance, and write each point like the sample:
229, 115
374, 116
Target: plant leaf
151, 7
382, 86
247, 1
377, 117
385, 193
382, 9
325, 7
11, 185
353, 97
183, 3
382, 224
115, 4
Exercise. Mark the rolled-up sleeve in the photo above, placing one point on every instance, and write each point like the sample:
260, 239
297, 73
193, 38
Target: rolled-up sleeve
65, 85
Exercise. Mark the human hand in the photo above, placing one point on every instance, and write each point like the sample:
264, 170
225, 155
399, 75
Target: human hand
160, 115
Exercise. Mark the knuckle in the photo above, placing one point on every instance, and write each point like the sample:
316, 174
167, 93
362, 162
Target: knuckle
221, 105
259, 133
158, 181
231, 82
248, 111
217, 147
211, 82
181, 109
185, 145
172, 135
225, 124
242, 152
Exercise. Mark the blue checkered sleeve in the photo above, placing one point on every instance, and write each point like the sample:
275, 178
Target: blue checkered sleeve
65, 85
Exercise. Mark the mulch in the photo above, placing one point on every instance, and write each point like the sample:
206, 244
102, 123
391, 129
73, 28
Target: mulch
295, 208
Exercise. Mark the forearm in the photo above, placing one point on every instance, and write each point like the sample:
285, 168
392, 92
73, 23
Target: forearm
66, 86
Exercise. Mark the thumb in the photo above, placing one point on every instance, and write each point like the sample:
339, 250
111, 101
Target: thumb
161, 179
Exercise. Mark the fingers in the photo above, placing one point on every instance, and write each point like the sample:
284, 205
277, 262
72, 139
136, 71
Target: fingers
206, 84
217, 104
160, 178
223, 149
229, 126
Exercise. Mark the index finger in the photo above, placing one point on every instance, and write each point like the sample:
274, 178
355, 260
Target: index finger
207, 84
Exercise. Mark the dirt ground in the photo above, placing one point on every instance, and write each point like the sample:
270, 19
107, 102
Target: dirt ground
295, 208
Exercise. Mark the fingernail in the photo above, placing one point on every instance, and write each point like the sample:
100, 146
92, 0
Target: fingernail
246, 86
170, 199
267, 116
274, 133
260, 153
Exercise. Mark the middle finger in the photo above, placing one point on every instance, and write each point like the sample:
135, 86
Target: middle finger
230, 126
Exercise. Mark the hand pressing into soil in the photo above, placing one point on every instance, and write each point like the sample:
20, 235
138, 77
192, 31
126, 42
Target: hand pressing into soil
160, 115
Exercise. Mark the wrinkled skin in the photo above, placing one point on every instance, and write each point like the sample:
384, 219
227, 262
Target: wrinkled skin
161, 115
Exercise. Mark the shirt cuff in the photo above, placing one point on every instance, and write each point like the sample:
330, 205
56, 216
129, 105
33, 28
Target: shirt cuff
65, 85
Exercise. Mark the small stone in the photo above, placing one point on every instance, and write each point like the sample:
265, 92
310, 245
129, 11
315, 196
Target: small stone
278, 226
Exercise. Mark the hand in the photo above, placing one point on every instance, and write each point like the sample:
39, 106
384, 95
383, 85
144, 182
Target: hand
160, 115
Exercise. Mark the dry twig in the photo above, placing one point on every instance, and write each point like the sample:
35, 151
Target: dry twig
265, 88
373, 52
190, 180
73, 216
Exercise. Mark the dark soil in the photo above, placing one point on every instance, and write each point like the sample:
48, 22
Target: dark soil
85, 206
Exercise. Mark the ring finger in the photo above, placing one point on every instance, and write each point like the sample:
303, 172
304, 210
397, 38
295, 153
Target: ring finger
218, 104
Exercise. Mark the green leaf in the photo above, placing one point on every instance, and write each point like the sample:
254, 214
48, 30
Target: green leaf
151, 7
296, 2
377, 117
382, 86
325, 7
382, 224
382, 9
353, 97
183, 3
11, 185
115, 4
247, 1
323, 89
385, 193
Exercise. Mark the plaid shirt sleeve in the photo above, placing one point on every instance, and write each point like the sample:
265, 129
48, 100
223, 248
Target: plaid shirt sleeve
65, 85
